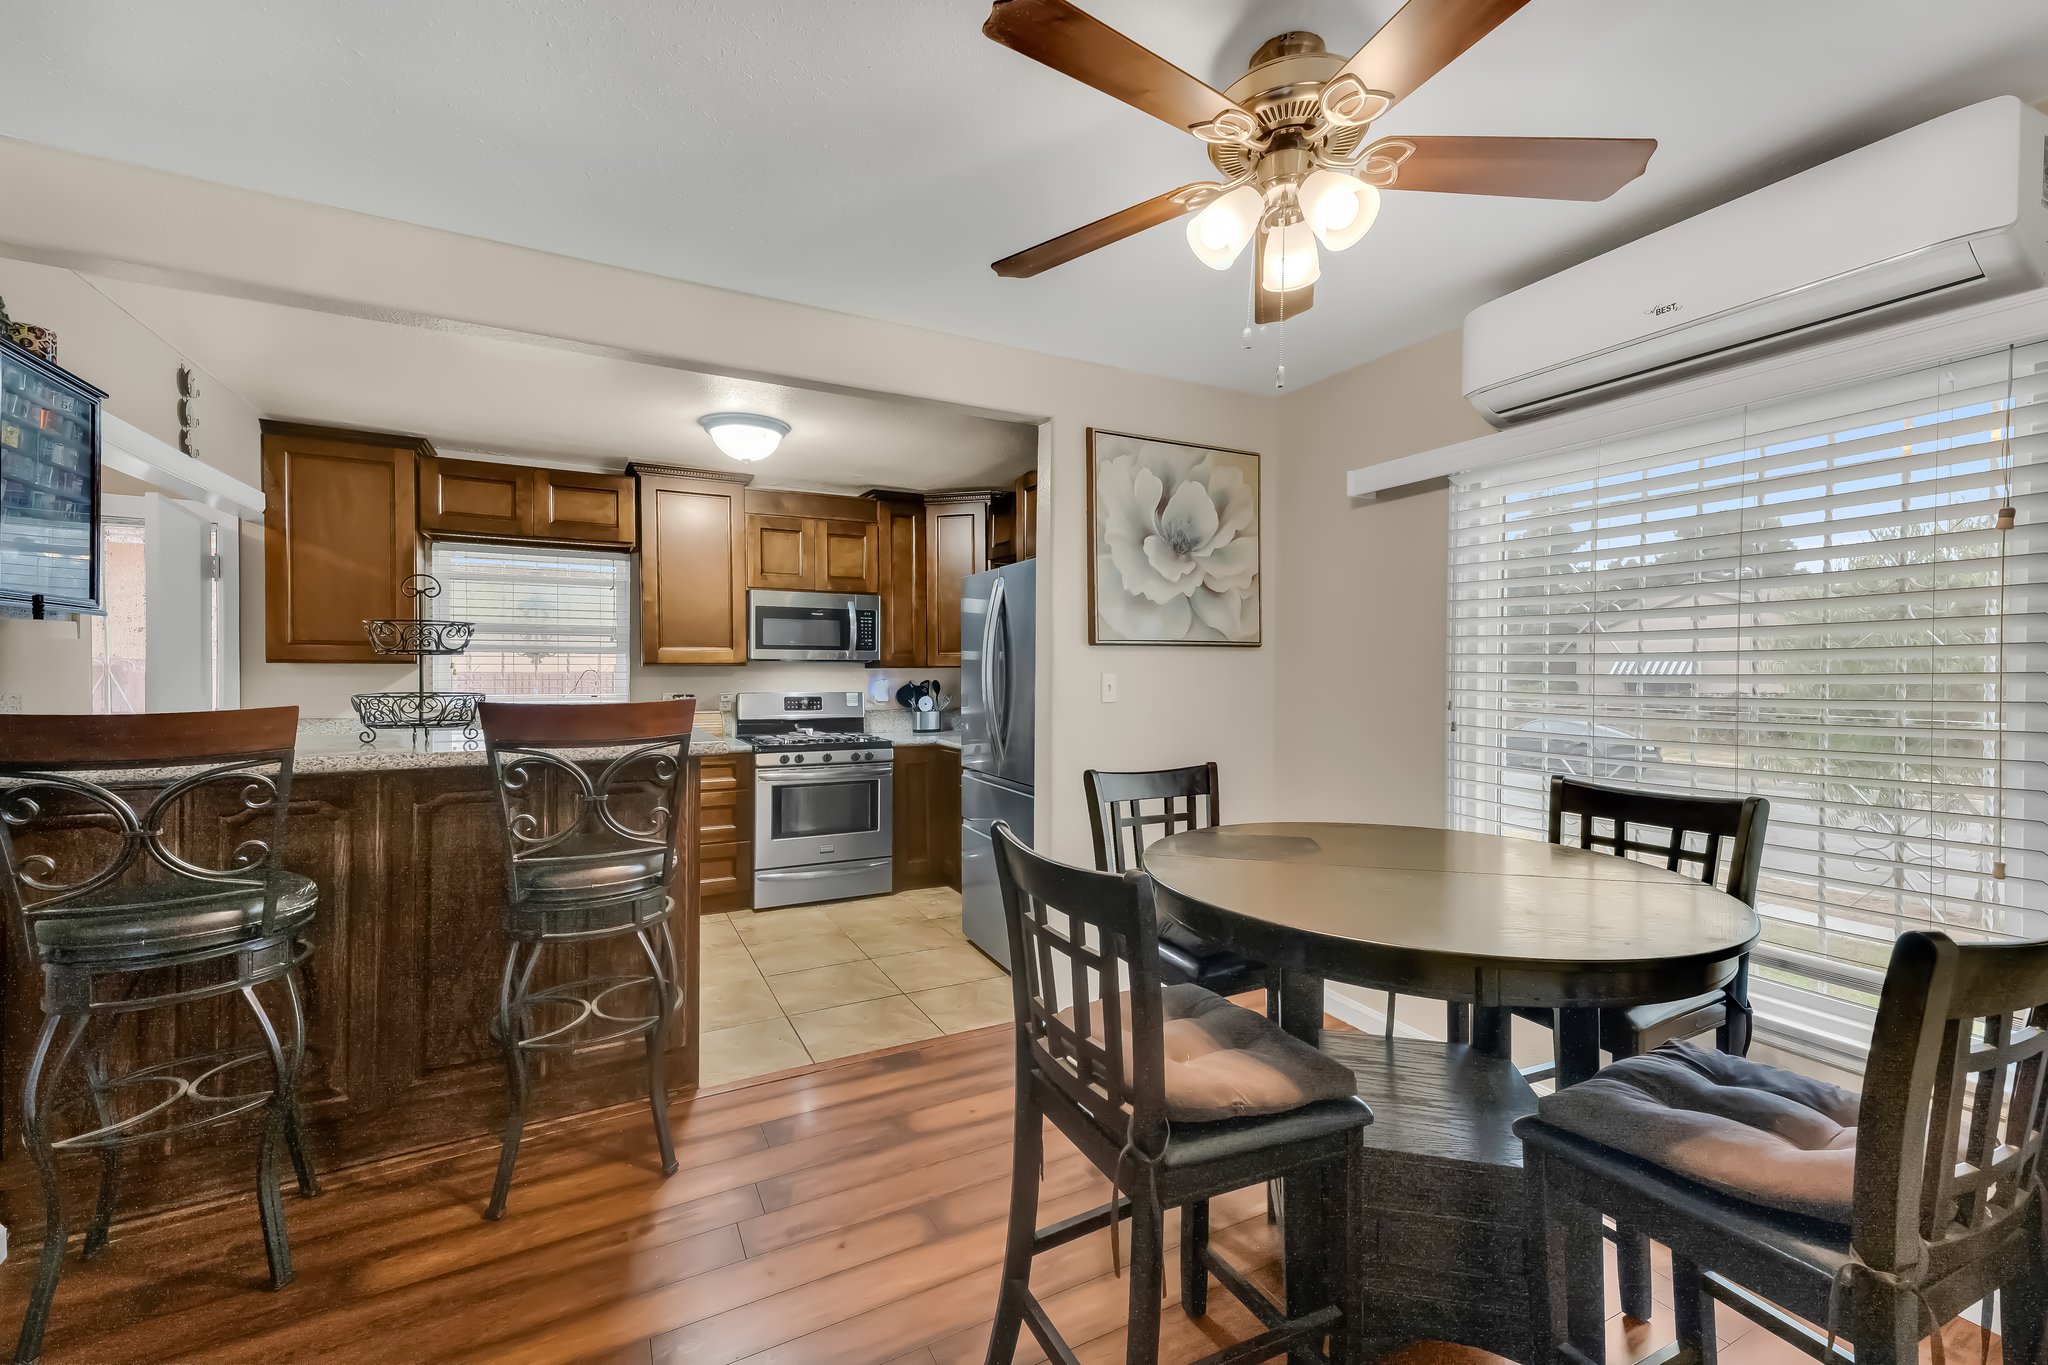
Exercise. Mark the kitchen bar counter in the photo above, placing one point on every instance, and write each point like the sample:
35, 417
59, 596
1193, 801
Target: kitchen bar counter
406, 845
333, 746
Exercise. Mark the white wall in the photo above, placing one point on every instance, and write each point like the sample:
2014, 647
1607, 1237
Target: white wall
1358, 731
166, 229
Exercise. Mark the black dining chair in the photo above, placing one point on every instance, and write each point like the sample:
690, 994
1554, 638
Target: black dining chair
1129, 810
1233, 1102
1718, 839
592, 798
1880, 1216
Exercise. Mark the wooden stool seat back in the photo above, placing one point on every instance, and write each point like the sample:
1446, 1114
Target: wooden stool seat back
1075, 935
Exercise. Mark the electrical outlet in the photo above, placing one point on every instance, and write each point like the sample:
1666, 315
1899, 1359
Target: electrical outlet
1108, 688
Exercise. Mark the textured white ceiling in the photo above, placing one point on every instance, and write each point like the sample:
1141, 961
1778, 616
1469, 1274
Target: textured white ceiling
470, 392
872, 156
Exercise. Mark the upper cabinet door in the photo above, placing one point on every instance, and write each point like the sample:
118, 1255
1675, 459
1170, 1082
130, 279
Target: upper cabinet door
782, 553
693, 591
476, 498
900, 526
1026, 537
595, 508
956, 545
338, 539
849, 554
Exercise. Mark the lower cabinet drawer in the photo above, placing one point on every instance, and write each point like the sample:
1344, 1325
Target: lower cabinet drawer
725, 876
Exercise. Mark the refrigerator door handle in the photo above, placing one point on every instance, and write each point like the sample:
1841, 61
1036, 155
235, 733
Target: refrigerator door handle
998, 724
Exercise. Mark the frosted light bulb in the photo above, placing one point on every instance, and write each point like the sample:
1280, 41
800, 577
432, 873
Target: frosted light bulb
1340, 208
1289, 261
1219, 233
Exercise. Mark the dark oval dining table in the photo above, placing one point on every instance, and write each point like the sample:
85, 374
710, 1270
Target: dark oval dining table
1488, 922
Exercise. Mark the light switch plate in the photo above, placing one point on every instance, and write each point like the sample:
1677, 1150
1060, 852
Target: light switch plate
1109, 688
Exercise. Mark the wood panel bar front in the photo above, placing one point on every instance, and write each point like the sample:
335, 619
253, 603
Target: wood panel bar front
401, 986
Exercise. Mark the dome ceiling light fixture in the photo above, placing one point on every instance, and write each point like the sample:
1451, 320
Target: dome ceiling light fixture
746, 436
1289, 137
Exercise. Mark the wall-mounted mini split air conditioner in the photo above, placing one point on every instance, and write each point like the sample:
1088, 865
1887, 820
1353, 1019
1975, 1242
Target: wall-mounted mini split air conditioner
1949, 213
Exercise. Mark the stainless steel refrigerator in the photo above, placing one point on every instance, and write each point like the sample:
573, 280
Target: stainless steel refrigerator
998, 730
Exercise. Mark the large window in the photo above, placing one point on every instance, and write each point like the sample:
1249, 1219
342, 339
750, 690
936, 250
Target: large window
1814, 602
551, 625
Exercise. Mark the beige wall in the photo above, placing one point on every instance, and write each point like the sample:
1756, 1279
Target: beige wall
138, 369
1358, 728
113, 219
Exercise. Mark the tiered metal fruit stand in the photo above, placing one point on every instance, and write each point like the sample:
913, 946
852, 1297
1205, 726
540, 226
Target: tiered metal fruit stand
421, 709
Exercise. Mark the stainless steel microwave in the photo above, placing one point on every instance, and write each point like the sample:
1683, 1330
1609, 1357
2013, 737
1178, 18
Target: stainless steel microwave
814, 625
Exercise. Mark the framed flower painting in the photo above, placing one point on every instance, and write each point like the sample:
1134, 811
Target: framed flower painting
1174, 542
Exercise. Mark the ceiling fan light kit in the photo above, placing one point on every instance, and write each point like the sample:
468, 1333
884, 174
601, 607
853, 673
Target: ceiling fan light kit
1289, 138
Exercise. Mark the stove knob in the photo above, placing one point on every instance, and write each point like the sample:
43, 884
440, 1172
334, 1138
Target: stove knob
824, 758
783, 759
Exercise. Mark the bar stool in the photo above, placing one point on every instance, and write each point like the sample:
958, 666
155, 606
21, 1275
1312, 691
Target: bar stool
121, 920
592, 797
1234, 1102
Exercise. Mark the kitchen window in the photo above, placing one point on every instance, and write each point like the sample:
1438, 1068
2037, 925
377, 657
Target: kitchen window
1812, 601
551, 625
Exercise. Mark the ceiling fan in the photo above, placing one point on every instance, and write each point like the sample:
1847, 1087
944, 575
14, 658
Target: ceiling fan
1289, 137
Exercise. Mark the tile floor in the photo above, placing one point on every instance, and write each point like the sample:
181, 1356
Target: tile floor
785, 988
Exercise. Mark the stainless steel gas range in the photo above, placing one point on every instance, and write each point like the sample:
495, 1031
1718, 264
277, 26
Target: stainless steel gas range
822, 790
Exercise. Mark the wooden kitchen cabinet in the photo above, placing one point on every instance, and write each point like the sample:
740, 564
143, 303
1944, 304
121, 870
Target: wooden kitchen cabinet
944, 814
485, 500
339, 537
693, 557
584, 507
475, 497
725, 832
900, 523
1024, 537
812, 542
926, 815
956, 545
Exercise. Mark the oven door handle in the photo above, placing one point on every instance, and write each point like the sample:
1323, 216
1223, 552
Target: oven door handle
812, 776
811, 874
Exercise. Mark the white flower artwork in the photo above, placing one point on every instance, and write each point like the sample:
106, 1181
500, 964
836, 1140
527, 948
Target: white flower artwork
1175, 542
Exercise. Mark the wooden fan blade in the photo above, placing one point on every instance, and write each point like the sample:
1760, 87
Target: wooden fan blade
1269, 307
1081, 46
1423, 38
1523, 167
1093, 237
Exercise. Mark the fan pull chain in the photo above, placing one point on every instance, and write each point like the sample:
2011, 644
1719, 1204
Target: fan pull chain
1251, 299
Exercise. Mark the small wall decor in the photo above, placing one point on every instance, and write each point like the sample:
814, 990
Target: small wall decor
1174, 542
188, 416
33, 339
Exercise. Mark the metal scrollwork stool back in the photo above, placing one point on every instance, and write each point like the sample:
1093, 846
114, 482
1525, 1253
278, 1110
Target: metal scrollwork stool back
117, 909
592, 797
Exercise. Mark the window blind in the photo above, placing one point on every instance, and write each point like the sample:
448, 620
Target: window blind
1811, 601
551, 625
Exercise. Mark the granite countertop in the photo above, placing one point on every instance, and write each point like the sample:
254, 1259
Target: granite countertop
334, 746
944, 739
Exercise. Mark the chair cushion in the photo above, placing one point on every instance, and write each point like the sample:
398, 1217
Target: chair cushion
176, 919
1225, 1062
584, 868
1190, 959
1749, 1130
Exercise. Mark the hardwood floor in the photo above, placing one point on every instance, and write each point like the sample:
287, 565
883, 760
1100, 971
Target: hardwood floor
850, 1214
